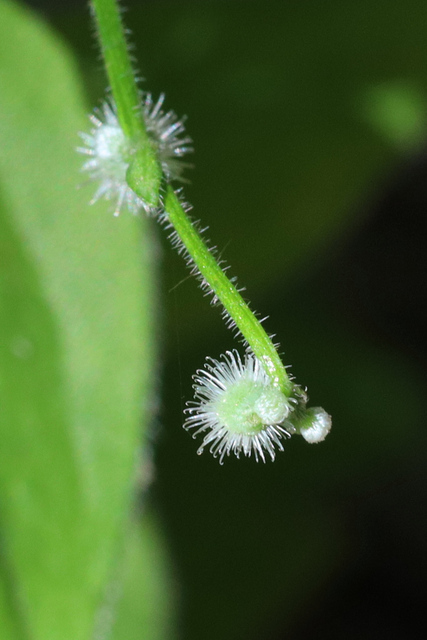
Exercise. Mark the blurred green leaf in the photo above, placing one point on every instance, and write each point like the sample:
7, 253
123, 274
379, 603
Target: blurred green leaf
76, 349
145, 607
397, 110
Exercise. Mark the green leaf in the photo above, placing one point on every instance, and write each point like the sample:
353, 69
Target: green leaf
397, 111
76, 349
145, 607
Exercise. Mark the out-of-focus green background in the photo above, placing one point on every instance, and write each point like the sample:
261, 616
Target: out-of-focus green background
309, 122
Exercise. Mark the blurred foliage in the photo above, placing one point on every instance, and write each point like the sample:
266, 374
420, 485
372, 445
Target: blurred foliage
310, 165
76, 351
397, 110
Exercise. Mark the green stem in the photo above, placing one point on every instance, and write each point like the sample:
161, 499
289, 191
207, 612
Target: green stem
126, 95
247, 323
144, 177
119, 68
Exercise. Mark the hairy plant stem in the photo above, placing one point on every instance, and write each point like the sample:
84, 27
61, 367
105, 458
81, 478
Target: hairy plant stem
126, 95
226, 292
144, 177
119, 68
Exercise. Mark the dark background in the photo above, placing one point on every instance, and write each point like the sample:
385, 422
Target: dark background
309, 123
